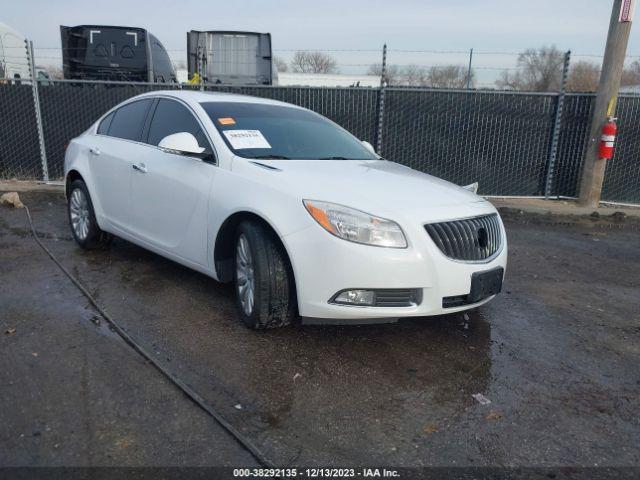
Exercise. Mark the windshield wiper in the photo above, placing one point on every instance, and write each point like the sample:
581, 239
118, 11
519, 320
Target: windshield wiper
334, 158
272, 157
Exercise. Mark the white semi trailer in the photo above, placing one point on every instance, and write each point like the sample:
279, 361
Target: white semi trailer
14, 62
232, 58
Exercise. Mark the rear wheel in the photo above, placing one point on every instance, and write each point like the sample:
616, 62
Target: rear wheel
265, 290
82, 218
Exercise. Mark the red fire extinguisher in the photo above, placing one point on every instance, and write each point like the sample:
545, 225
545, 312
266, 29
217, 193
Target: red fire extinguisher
608, 138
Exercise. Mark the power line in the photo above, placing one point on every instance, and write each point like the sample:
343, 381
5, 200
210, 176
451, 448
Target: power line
363, 50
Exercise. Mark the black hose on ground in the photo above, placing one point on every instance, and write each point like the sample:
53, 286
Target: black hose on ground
188, 391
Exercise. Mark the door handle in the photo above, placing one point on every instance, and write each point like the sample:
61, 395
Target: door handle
95, 151
140, 167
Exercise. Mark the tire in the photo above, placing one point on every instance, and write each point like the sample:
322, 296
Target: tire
273, 296
82, 218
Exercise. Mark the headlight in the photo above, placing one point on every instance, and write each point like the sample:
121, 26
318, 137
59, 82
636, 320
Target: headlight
356, 226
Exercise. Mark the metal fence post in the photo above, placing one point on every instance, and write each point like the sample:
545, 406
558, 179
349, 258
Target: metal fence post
469, 70
36, 102
383, 81
557, 126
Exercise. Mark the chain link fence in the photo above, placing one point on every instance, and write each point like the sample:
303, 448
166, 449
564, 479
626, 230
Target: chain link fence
576, 118
503, 140
19, 147
622, 176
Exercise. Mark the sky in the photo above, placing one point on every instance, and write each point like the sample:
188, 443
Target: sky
434, 28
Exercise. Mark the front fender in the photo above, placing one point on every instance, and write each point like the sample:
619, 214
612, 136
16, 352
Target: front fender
260, 195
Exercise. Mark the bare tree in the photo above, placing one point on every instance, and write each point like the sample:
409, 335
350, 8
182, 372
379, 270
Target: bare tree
449, 76
392, 73
631, 74
583, 77
414, 76
446, 76
313, 62
280, 64
538, 71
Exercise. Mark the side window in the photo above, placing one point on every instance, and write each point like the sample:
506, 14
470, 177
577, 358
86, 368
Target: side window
172, 117
103, 128
129, 120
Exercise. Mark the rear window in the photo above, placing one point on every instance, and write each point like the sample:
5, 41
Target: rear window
103, 128
254, 130
129, 120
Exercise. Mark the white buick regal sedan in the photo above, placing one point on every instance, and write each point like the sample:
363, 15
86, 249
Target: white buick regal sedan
304, 218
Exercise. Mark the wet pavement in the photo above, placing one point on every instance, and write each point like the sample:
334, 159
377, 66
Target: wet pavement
557, 354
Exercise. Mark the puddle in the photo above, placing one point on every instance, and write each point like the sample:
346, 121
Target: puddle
92, 319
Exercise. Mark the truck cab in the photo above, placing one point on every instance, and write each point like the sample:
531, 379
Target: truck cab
103, 52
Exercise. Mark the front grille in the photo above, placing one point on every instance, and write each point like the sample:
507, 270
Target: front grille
397, 297
471, 239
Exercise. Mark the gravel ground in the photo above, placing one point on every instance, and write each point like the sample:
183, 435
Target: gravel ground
557, 354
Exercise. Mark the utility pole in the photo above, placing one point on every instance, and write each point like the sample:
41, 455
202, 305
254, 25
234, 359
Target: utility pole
594, 167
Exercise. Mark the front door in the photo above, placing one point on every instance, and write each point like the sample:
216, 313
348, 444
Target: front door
170, 192
169, 203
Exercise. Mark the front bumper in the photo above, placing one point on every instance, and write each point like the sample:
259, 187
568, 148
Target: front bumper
324, 264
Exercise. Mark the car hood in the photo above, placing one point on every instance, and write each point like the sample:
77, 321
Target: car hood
369, 185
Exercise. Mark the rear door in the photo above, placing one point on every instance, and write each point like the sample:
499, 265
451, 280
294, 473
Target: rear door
169, 200
114, 151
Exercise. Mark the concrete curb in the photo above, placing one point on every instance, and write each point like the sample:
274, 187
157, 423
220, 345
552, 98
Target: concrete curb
24, 186
567, 211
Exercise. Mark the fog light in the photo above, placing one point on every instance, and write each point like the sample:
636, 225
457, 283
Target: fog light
355, 297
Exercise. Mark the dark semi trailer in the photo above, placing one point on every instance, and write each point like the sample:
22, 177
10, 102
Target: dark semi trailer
102, 52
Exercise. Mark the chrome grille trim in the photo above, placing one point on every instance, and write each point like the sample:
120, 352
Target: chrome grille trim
465, 240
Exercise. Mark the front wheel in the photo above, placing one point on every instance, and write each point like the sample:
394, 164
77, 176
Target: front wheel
265, 289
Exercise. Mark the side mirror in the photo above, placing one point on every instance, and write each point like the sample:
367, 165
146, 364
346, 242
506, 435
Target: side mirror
369, 147
472, 187
182, 143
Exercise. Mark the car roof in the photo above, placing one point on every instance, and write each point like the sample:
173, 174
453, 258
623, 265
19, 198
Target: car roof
193, 96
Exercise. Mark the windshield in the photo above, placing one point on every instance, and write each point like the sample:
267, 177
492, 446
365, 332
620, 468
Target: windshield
254, 130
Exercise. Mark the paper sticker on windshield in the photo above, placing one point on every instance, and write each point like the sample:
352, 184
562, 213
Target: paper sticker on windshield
240, 139
226, 121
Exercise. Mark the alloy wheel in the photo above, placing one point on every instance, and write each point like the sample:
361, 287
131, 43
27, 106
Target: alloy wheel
79, 213
245, 275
